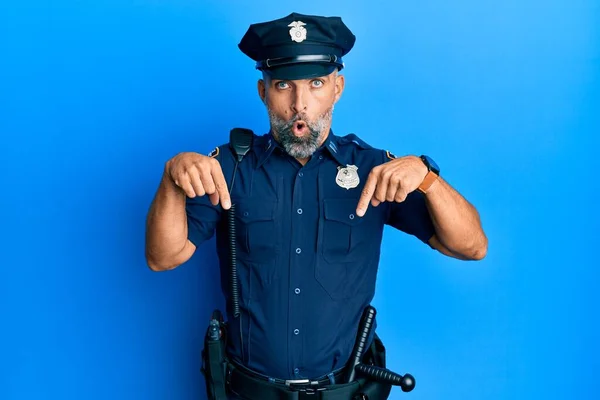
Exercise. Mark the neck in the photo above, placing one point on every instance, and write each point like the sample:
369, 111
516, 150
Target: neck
303, 161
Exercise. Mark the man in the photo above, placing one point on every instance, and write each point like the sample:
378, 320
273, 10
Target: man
310, 211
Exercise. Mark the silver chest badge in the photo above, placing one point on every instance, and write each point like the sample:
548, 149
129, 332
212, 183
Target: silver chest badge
347, 177
297, 31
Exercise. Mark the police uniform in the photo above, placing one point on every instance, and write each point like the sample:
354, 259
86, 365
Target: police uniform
307, 264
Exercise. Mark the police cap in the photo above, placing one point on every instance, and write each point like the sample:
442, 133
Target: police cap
298, 46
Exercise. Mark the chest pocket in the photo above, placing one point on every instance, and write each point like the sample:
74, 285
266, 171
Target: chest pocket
257, 232
341, 230
258, 245
346, 242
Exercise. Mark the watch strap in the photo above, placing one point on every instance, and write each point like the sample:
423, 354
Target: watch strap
427, 182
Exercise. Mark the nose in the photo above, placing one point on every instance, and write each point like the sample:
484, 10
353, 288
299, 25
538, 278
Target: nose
299, 100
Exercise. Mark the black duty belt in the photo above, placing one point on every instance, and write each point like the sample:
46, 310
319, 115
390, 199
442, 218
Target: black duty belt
254, 386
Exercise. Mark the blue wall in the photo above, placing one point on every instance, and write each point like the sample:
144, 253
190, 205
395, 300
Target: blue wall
96, 96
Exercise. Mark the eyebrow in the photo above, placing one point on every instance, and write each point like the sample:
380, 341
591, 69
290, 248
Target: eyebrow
292, 81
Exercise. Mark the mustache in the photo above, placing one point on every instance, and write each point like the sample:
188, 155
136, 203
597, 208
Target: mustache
296, 118
288, 125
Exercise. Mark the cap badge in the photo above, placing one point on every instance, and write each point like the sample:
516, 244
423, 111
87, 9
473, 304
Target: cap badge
297, 31
347, 177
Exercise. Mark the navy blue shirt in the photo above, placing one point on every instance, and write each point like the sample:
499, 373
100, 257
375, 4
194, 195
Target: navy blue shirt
307, 264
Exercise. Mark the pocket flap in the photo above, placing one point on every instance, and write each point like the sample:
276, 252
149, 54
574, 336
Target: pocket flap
255, 210
342, 210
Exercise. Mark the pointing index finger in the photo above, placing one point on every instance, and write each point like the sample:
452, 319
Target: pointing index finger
367, 194
221, 187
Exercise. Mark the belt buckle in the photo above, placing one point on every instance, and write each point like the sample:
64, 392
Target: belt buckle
304, 385
290, 382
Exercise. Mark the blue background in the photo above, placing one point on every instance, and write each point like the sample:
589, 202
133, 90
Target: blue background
96, 96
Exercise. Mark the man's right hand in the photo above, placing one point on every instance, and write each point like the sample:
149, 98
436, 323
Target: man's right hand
196, 175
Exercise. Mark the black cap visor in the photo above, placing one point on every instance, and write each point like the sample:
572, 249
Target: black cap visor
300, 71
300, 67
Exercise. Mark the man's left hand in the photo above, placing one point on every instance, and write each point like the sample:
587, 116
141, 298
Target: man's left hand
391, 181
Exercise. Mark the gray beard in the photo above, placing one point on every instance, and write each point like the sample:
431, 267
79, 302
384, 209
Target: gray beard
300, 147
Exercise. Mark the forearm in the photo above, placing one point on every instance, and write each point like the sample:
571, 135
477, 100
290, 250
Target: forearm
166, 227
456, 221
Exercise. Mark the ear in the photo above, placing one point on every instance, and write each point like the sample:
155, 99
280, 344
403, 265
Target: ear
339, 87
262, 90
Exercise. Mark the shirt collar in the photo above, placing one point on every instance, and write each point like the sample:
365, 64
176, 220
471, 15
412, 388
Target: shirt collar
267, 144
339, 154
265, 147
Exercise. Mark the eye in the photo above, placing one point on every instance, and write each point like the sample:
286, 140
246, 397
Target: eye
317, 83
282, 85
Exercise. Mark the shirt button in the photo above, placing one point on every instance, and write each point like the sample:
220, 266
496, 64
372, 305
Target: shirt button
296, 331
320, 157
297, 290
351, 216
301, 174
245, 213
299, 211
298, 250
296, 370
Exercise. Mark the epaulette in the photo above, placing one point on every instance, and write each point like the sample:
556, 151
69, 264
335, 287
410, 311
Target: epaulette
352, 138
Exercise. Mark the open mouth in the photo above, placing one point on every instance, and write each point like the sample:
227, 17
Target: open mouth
300, 128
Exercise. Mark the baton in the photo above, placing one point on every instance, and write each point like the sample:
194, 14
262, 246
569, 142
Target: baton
378, 374
364, 330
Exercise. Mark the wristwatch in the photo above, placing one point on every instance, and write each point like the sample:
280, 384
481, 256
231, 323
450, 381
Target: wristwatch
433, 172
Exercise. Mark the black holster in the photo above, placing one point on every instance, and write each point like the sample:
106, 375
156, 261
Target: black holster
369, 389
214, 361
